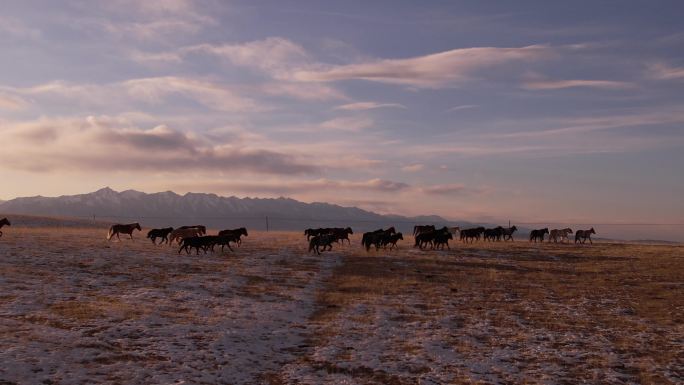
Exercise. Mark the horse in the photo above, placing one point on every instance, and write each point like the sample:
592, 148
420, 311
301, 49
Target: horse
418, 229
454, 230
391, 239
538, 234
3, 222
195, 242
178, 234
318, 241
201, 228
508, 233
583, 235
472, 234
376, 237
123, 229
441, 239
429, 237
561, 234
224, 240
341, 234
493, 234
236, 233
159, 233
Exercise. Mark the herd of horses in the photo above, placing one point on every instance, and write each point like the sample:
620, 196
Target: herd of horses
322, 239
187, 237
425, 236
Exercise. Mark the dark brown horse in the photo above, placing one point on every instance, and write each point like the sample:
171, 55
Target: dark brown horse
123, 229
538, 234
3, 222
160, 233
235, 233
583, 235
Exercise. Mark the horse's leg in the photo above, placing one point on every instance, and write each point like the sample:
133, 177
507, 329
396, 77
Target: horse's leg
117, 236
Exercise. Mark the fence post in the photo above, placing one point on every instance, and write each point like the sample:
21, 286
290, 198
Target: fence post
267, 223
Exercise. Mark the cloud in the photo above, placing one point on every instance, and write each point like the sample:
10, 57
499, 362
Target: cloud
462, 107
17, 28
303, 91
97, 144
150, 20
347, 124
12, 102
152, 90
439, 70
560, 84
450, 189
662, 71
413, 168
210, 94
360, 106
288, 187
276, 56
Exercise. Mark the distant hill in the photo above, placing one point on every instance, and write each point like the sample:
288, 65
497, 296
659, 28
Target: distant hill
171, 209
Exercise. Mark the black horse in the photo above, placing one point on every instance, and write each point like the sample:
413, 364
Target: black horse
508, 233
160, 233
538, 234
3, 222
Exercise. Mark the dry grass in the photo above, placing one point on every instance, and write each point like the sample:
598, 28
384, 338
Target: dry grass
130, 312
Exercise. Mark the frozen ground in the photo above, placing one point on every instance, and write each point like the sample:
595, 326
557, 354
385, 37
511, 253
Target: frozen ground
75, 309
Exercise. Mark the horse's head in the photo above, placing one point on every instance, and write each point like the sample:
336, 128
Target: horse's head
545, 230
449, 236
568, 230
349, 230
513, 228
137, 226
243, 231
391, 230
592, 231
400, 236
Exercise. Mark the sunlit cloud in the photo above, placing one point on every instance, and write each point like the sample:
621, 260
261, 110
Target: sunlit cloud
560, 84
662, 71
98, 144
360, 106
439, 70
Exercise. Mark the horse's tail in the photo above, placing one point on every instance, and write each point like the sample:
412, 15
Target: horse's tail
110, 233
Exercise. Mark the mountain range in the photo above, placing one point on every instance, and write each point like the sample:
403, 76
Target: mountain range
171, 209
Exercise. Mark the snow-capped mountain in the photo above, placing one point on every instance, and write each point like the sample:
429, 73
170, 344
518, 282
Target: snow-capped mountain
171, 209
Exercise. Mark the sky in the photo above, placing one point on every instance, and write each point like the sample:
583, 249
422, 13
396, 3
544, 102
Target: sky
473, 110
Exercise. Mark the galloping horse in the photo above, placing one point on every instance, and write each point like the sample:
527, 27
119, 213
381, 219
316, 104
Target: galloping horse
123, 229
555, 234
4, 222
583, 235
538, 234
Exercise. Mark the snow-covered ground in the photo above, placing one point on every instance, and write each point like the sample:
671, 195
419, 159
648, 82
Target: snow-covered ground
76, 309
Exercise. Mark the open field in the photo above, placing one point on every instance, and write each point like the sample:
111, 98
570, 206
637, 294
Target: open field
76, 309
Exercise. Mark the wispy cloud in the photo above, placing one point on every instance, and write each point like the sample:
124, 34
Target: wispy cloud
439, 70
413, 167
347, 124
153, 90
462, 107
12, 102
560, 84
662, 71
360, 106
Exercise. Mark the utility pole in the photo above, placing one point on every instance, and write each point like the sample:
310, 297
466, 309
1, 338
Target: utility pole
267, 223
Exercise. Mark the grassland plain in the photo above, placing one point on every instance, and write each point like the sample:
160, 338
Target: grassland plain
76, 309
